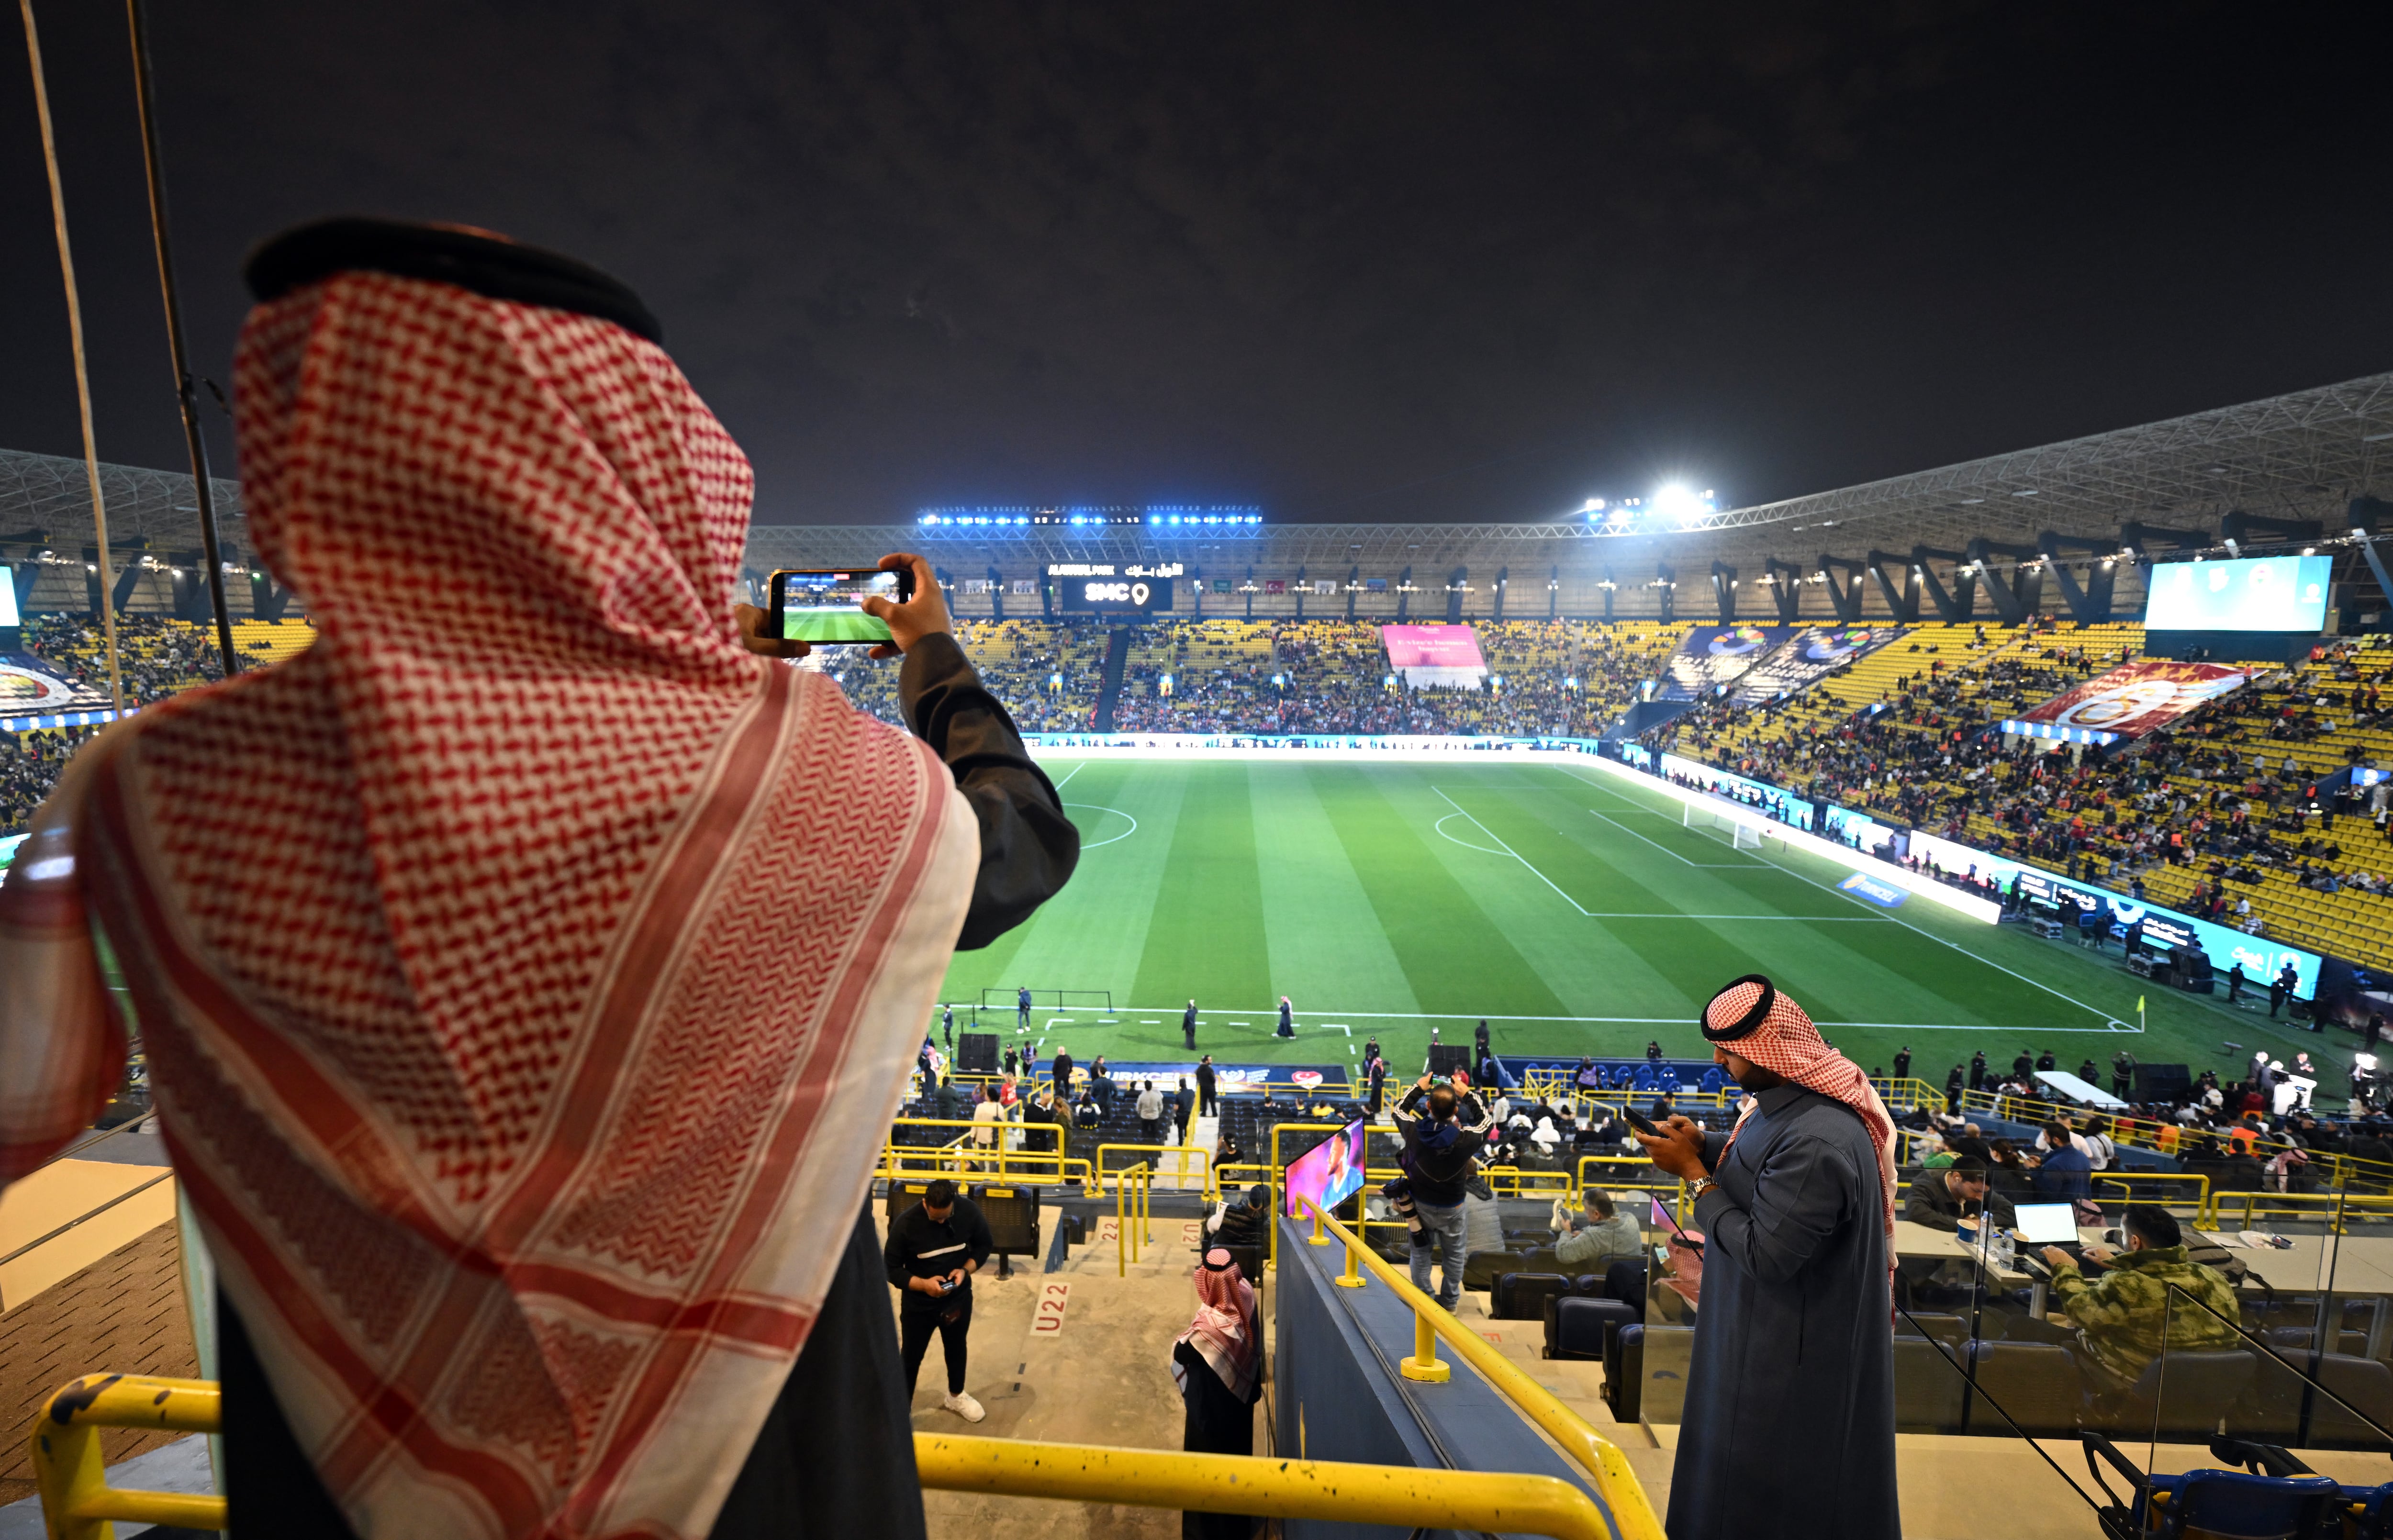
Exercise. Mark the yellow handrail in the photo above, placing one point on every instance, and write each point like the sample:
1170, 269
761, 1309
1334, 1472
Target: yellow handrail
1660, 1182
1184, 1151
2204, 1200
1025, 1167
1401, 1496
1597, 1454
2331, 1206
1130, 1214
77, 1502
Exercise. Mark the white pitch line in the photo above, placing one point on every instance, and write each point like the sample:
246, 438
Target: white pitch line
1070, 774
1707, 865
2111, 1023
1511, 851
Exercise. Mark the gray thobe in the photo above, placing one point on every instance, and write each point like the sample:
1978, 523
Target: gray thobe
1789, 1423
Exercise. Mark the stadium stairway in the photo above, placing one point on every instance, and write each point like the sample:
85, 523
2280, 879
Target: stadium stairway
1110, 683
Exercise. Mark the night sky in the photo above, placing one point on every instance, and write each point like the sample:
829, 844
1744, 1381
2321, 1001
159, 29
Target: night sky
1350, 261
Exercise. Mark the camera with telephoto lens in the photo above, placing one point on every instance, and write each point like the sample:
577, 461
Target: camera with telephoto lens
1399, 1193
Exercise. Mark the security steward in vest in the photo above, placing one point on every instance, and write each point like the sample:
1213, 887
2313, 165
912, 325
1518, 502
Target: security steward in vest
933, 1249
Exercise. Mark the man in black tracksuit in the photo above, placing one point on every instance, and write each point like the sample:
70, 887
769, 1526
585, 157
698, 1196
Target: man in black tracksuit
1188, 1025
1444, 1132
933, 1249
1207, 1106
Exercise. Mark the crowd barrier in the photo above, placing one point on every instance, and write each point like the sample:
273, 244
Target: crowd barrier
1602, 1459
78, 1503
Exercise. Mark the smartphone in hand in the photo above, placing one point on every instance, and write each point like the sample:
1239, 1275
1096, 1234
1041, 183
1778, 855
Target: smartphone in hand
822, 606
1640, 1122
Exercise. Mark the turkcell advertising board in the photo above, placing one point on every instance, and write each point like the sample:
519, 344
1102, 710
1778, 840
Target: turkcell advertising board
1781, 804
2226, 946
1810, 655
1715, 656
2258, 593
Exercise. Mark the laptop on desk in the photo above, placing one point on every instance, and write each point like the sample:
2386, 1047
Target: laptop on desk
2043, 1224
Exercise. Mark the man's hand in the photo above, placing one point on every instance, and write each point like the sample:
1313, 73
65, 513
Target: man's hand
1679, 1149
957, 1277
2097, 1252
923, 1286
2056, 1258
1421, 1084
752, 624
923, 615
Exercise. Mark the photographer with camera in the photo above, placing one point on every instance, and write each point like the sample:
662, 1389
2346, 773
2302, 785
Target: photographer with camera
934, 1248
1444, 1132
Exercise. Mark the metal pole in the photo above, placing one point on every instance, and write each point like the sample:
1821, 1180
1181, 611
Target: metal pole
210, 551
75, 336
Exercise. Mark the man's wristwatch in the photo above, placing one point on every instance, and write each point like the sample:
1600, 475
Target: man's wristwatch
1703, 1185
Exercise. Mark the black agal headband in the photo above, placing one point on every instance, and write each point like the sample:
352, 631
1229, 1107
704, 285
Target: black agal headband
1744, 1026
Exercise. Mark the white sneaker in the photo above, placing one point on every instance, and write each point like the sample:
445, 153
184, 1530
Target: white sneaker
965, 1406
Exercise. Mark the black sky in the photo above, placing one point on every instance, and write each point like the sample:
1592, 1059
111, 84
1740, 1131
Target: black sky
1350, 261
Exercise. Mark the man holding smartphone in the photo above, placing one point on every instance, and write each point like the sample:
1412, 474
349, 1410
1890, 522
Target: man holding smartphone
933, 1249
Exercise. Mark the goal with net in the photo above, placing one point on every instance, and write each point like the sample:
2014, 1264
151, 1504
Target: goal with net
1739, 834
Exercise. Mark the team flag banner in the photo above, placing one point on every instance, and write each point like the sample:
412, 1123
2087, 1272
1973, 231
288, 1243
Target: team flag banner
1809, 656
1436, 655
31, 687
1714, 656
2127, 702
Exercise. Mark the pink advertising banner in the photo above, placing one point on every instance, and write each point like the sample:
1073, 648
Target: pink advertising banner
1432, 647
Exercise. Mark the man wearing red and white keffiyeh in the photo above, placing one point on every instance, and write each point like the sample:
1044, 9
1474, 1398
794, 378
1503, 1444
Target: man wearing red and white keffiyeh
1789, 1422
529, 970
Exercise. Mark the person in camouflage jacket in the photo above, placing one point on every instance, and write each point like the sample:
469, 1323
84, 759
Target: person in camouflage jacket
2121, 1317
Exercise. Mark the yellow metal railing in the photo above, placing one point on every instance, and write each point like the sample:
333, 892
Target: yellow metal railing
1203, 1171
2204, 1210
1602, 1459
1652, 1179
2334, 1208
1399, 1496
1025, 1167
77, 1502
1134, 1193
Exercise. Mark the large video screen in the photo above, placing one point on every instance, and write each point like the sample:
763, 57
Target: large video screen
1328, 1174
2258, 593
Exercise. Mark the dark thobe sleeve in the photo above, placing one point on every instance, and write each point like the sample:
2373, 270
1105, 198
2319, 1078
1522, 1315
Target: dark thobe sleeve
836, 1454
1789, 1421
1027, 846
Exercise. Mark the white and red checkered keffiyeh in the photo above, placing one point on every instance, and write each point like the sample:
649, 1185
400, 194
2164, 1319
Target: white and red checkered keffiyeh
1752, 1020
527, 971
1225, 1330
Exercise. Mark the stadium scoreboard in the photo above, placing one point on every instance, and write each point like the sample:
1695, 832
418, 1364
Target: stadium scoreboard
1105, 588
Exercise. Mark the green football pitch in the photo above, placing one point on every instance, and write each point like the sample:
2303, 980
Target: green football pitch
1569, 906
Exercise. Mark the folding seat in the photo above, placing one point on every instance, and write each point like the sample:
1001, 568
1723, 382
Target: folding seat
1581, 1327
2036, 1383
1522, 1296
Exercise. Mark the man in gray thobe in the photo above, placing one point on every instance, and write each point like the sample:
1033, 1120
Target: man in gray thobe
1788, 1430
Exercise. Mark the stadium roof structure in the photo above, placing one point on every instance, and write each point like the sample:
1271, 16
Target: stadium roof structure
2297, 457
2302, 456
